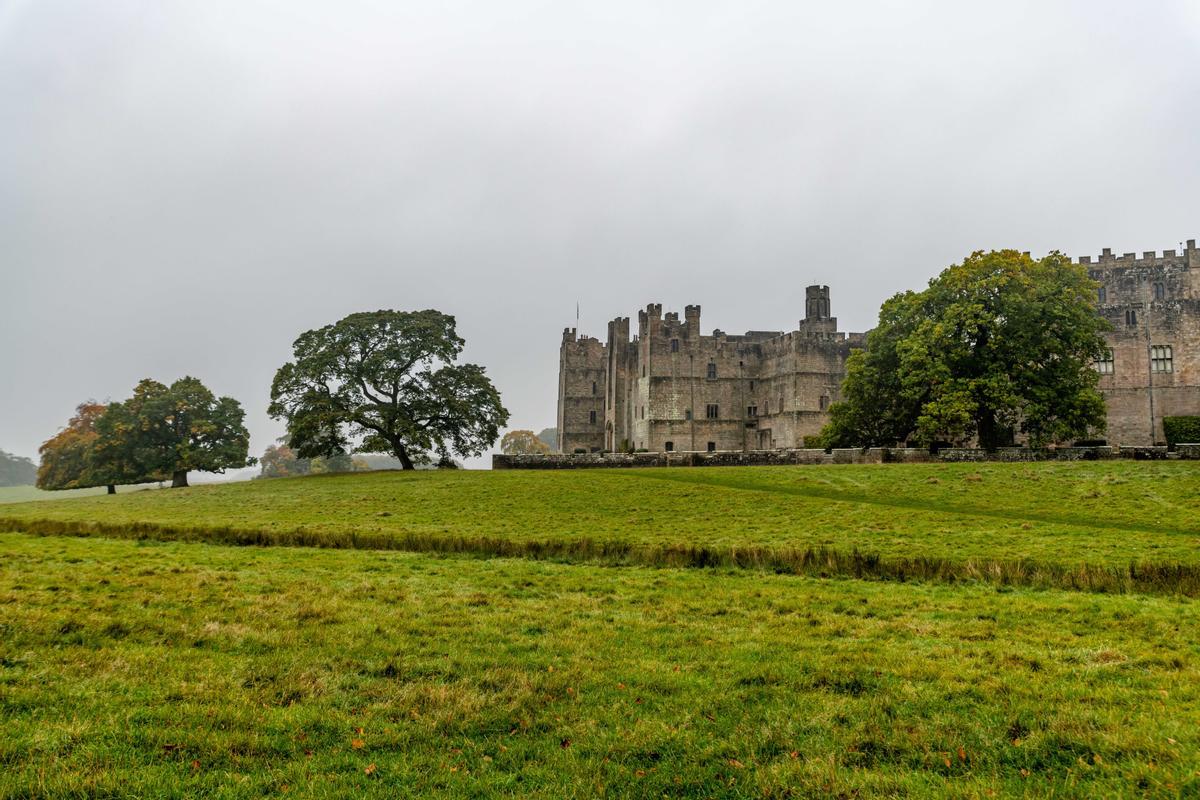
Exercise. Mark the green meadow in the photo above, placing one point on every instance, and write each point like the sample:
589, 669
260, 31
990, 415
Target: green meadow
1112, 526
844, 631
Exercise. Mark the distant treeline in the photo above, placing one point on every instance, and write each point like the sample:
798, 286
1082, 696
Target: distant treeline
16, 471
280, 461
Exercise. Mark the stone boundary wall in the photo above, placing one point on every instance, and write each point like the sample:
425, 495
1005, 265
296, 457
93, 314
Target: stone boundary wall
873, 455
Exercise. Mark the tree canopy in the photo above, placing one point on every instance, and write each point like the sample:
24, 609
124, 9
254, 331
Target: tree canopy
16, 470
168, 431
999, 345
68, 457
520, 443
386, 382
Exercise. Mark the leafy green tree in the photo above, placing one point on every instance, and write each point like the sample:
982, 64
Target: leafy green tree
16, 470
168, 431
998, 345
517, 443
386, 382
68, 458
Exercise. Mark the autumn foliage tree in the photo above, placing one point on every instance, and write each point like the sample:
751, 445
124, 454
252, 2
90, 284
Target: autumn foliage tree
523, 443
386, 382
68, 458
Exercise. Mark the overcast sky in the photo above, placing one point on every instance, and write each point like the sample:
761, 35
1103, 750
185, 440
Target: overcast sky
186, 186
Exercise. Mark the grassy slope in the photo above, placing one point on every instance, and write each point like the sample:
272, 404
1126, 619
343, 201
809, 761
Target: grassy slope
159, 669
24, 494
1108, 514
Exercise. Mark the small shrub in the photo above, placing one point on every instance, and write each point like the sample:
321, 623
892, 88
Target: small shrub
1181, 430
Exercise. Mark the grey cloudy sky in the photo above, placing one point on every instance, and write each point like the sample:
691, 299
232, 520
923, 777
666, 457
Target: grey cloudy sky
185, 186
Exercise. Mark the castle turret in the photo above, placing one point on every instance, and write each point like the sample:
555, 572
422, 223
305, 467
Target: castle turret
816, 306
691, 315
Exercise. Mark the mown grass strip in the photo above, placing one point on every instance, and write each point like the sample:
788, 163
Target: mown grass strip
907, 503
819, 562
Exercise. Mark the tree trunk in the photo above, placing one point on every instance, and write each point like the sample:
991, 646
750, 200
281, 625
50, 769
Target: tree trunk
402, 454
179, 478
988, 436
112, 489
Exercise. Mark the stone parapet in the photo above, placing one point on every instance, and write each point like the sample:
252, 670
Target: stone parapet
874, 455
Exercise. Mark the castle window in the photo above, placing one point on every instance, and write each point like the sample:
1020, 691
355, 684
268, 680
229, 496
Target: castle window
712, 370
592, 417
1106, 365
669, 446
766, 407
1160, 292
712, 411
593, 387
824, 402
751, 411
752, 386
712, 447
643, 370
1161, 359
674, 345
1130, 316
687, 414
1102, 295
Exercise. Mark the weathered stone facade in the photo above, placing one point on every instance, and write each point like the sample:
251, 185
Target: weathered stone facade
1153, 305
669, 388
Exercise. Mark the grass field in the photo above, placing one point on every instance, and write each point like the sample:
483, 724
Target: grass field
1062, 524
978, 631
24, 494
167, 669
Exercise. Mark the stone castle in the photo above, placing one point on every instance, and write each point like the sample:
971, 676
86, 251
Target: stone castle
670, 388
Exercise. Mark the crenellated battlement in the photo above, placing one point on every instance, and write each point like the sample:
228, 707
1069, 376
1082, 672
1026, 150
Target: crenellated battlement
1107, 259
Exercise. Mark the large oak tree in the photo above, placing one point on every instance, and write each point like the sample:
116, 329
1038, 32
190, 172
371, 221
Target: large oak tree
386, 382
168, 431
998, 346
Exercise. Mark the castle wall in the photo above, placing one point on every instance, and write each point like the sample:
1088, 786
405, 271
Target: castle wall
767, 389
1150, 301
